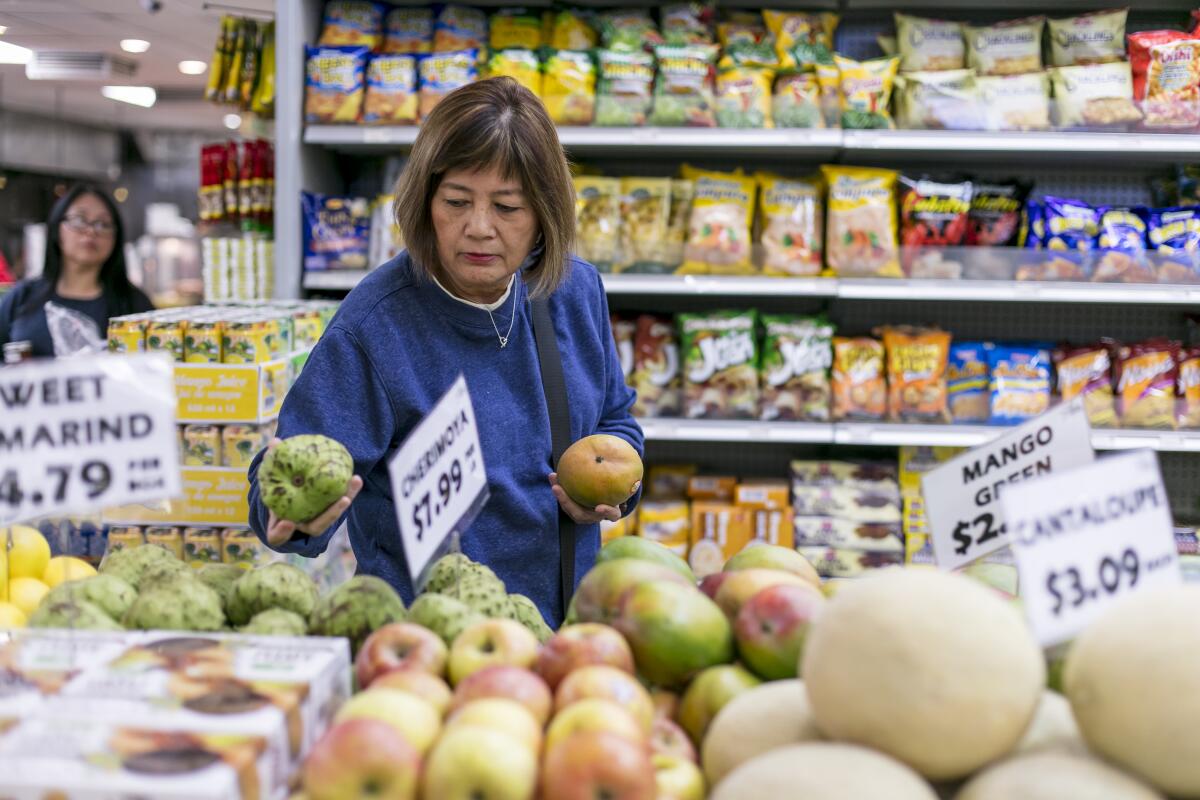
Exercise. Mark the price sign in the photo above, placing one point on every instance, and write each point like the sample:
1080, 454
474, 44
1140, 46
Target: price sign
82, 434
962, 497
1086, 537
438, 478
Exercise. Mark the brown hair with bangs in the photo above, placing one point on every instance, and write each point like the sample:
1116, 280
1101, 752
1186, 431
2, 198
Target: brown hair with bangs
492, 123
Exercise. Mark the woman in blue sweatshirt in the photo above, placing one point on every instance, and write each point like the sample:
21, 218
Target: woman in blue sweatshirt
486, 208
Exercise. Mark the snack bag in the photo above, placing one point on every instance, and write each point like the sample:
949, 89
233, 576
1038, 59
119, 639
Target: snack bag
797, 101
1007, 48
408, 31
916, 370
860, 233
1095, 38
520, 65
442, 73
1020, 384
734, 33
1087, 372
569, 87
967, 382
623, 331
624, 96
1189, 388
1071, 225
929, 44
459, 28
391, 97
1015, 102
859, 386
791, 28
1166, 77
684, 93
688, 23
720, 365
1094, 96
1122, 244
352, 22
829, 80
598, 220
682, 193
645, 215
337, 231
515, 29
628, 30
995, 216
569, 30
796, 358
1174, 234
333, 84
1146, 375
792, 225
719, 228
946, 100
744, 98
932, 214
656, 377
866, 91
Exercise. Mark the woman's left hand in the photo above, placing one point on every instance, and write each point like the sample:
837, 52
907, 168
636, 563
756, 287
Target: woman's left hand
581, 515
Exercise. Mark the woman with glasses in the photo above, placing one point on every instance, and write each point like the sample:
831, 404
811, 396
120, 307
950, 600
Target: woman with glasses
83, 283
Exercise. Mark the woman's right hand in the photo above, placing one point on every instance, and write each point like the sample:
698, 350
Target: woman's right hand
281, 531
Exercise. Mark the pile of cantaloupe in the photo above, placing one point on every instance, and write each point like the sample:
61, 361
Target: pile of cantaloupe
917, 684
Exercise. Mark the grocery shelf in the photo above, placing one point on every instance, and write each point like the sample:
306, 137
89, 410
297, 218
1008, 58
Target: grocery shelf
707, 430
719, 285
344, 279
1004, 5
1028, 144
1015, 291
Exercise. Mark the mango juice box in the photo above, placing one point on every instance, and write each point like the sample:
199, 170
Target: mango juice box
667, 522
241, 547
201, 546
718, 532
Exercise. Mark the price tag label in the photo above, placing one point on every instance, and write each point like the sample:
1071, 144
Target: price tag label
438, 477
1087, 537
84, 433
962, 497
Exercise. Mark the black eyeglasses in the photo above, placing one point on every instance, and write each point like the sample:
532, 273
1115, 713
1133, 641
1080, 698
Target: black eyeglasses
80, 225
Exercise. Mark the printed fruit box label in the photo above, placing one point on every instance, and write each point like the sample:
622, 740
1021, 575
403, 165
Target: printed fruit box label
230, 392
213, 496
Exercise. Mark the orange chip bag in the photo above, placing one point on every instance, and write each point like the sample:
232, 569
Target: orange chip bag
1189, 388
1146, 375
916, 371
859, 387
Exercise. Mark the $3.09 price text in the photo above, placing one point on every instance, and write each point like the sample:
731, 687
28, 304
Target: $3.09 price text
426, 509
1070, 587
96, 477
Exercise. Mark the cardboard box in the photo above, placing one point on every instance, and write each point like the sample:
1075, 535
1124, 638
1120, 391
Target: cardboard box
668, 481
719, 531
711, 487
667, 522
763, 494
771, 526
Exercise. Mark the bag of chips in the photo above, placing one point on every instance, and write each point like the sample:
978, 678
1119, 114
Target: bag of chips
598, 220
682, 194
1095, 38
655, 375
792, 225
1006, 48
797, 102
792, 28
1146, 375
337, 231
408, 31
859, 385
624, 94
929, 44
1015, 102
866, 91
720, 365
1166, 77
719, 227
1174, 235
459, 28
995, 216
684, 94
515, 29
967, 382
933, 214
947, 100
860, 222
570, 30
688, 23
1189, 388
1071, 225
442, 73
520, 65
738, 32
1094, 96
1020, 383
352, 22
744, 98
569, 87
796, 358
829, 79
916, 372
645, 215
1087, 372
391, 97
628, 30
1122, 246
334, 83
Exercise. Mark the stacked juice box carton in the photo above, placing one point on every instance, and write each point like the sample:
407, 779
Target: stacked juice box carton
165, 715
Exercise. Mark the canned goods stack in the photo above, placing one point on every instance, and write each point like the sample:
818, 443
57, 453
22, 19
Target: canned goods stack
237, 268
223, 445
195, 545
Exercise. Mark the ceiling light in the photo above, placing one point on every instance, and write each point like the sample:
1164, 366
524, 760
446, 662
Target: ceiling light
14, 54
190, 67
135, 45
232, 121
143, 96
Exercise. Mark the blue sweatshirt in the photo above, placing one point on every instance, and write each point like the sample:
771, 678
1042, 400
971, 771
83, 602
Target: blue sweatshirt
395, 346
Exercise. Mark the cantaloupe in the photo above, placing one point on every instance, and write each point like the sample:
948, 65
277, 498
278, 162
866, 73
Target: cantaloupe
931, 668
1055, 776
822, 771
1053, 729
1133, 679
755, 722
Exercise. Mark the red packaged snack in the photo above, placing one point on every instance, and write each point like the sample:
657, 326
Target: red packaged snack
995, 216
1087, 372
1146, 374
1189, 388
655, 375
932, 214
1166, 77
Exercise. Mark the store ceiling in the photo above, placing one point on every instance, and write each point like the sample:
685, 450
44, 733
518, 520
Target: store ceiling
182, 29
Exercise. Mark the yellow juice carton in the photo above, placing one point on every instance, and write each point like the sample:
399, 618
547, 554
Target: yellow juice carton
201, 446
166, 536
201, 546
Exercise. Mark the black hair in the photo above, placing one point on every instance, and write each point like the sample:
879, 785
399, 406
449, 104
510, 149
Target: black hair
114, 280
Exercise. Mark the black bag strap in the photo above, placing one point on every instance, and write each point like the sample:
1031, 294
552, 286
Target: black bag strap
555, 388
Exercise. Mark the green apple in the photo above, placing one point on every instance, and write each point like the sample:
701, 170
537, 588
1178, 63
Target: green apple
362, 758
512, 683
773, 556
430, 688
607, 683
415, 719
646, 550
474, 763
708, 694
489, 643
593, 715
500, 714
740, 586
599, 596
677, 778
674, 630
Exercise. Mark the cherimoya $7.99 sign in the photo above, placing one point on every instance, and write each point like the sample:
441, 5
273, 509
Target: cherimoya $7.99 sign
438, 477
962, 497
79, 434
1087, 537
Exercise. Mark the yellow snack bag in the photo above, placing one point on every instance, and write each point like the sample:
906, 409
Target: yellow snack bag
391, 91
866, 91
520, 65
334, 84
719, 227
829, 84
744, 98
645, 217
515, 28
860, 223
569, 31
569, 87
790, 28
598, 220
792, 225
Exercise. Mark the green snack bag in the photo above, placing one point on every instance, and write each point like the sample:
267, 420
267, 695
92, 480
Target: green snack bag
623, 97
797, 354
720, 365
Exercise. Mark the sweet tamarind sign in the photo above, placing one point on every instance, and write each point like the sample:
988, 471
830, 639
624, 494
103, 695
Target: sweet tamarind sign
85, 433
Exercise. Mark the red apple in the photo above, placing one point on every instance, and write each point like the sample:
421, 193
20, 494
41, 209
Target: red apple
500, 714
668, 739
712, 583
593, 765
576, 646
513, 683
399, 645
607, 683
429, 688
666, 703
491, 642
593, 715
771, 629
362, 758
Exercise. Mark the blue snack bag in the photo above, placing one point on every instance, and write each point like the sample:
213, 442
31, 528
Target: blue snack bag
1174, 236
1033, 226
967, 383
337, 231
1020, 383
1071, 225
